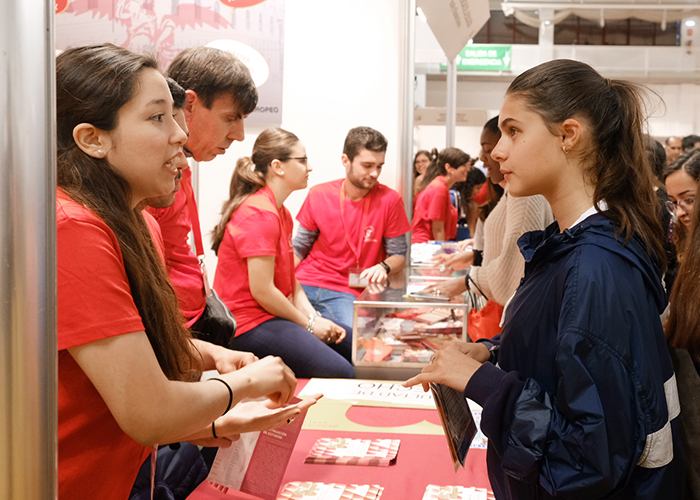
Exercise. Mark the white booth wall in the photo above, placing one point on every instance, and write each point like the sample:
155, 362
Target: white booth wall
341, 70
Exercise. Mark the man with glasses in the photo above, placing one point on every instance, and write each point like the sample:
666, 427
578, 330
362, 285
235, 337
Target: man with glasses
352, 231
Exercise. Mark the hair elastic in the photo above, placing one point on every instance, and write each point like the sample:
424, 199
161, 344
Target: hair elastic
230, 396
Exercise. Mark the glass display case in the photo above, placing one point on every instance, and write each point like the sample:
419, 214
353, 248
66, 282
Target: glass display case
397, 328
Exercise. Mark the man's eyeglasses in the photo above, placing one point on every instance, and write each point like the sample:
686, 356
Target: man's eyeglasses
302, 159
686, 204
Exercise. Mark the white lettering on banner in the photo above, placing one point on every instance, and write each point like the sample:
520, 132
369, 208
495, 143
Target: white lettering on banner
267, 109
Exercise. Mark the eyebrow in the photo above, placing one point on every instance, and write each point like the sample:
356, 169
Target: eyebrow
158, 102
506, 122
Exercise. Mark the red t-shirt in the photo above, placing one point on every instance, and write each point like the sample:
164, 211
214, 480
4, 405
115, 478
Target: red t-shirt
335, 251
432, 204
96, 459
154, 228
256, 229
183, 265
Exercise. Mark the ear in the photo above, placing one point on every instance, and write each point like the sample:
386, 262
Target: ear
277, 167
571, 131
191, 102
346, 161
91, 140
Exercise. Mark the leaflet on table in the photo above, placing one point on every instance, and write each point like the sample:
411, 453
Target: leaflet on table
434, 492
345, 451
256, 463
457, 421
355, 390
330, 491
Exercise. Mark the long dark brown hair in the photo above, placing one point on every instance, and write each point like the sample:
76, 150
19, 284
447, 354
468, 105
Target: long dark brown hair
454, 157
250, 174
616, 161
683, 324
92, 84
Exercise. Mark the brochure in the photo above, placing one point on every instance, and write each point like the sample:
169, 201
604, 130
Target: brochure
322, 491
457, 421
256, 463
433, 492
344, 451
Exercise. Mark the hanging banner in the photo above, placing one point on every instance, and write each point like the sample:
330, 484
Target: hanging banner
253, 30
455, 22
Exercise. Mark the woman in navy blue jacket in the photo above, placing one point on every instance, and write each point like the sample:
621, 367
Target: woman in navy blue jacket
579, 399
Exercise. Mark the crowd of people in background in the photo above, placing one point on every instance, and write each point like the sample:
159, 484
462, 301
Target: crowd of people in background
577, 225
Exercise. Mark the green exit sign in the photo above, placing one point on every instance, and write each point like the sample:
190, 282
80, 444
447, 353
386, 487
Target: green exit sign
484, 58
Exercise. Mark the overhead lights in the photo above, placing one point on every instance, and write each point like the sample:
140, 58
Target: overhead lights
689, 23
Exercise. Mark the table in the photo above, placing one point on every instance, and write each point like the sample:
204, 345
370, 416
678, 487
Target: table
422, 459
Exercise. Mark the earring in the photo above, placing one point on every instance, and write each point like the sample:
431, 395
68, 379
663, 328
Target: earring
100, 152
566, 151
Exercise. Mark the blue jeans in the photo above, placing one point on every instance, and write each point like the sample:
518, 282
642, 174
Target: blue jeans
336, 306
304, 353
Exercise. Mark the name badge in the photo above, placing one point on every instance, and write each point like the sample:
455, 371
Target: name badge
355, 281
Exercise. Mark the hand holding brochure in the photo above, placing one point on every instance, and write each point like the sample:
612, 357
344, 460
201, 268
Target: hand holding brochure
457, 421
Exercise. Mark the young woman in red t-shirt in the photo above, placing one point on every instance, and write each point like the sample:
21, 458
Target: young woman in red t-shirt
255, 271
434, 217
128, 368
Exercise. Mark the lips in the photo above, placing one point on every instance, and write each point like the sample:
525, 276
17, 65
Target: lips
173, 164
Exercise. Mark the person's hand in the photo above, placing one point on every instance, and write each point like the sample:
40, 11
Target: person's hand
455, 261
327, 331
228, 360
253, 416
375, 274
376, 288
450, 287
449, 367
268, 377
476, 350
462, 245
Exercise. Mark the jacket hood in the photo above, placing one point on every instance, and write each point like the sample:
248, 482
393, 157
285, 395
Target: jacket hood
540, 246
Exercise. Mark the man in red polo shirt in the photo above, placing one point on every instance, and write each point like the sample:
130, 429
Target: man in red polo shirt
352, 230
220, 94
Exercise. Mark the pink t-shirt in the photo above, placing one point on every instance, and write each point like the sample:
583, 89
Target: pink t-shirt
181, 262
256, 229
96, 459
433, 204
343, 233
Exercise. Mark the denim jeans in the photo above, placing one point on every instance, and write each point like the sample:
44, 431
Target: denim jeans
304, 353
336, 306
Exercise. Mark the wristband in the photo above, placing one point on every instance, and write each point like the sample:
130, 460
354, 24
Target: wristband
311, 323
230, 395
386, 267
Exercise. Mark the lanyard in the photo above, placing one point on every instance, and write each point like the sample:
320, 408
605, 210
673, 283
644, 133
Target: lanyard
186, 187
357, 251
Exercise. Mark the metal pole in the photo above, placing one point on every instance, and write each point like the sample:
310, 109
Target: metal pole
451, 105
405, 156
28, 353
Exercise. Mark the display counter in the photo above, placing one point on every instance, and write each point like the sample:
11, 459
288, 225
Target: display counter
397, 328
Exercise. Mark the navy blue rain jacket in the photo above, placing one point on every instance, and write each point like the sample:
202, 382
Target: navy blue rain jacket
583, 403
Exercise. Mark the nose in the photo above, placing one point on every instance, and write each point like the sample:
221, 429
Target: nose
498, 153
482, 156
178, 136
237, 131
374, 173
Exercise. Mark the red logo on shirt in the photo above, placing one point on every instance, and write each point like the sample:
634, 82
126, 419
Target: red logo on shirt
369, 233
